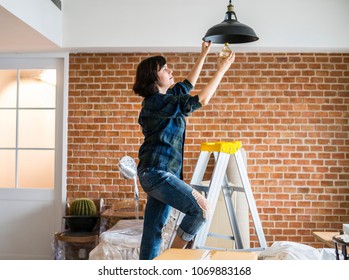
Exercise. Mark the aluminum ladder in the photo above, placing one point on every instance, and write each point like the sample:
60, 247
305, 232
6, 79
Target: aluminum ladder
222, 152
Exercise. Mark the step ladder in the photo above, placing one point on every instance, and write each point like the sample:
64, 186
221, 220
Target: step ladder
222, 152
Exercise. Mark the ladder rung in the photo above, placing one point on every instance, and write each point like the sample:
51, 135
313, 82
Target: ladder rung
255, 249
200, 188
204, 188
236, 188
210, 248
222, 236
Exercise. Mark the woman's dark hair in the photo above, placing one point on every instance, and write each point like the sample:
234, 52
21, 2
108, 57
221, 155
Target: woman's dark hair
147, 75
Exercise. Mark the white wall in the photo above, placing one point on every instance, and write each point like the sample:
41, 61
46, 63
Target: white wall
138, 25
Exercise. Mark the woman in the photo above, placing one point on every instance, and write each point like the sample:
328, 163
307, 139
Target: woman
162, 119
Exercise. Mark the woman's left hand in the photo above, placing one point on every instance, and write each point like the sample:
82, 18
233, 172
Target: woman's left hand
205, 47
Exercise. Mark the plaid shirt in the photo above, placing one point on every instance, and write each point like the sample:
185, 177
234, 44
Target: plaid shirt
162, 119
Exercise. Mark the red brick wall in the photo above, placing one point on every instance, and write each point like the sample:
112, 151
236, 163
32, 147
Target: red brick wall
290, 110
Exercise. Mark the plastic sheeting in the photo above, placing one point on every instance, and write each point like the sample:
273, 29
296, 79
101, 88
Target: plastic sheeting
123, 240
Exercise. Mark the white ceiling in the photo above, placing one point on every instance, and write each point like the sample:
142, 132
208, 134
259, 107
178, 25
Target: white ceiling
16, 36
87, 25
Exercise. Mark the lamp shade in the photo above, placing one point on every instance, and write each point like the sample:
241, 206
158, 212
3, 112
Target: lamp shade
230, 31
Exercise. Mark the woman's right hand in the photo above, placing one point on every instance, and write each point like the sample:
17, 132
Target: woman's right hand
223, 64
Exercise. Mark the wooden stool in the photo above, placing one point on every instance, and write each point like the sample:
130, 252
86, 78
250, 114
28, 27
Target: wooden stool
76, 245
339, 242
121, 210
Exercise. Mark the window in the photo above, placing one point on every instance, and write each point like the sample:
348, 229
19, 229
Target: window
27, 128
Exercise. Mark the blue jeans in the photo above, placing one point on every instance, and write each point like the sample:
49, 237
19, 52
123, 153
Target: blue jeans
164, 191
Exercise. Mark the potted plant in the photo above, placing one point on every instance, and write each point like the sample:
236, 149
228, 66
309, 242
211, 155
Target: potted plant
82, 215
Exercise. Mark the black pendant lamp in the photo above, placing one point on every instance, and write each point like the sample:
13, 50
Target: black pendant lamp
230, 30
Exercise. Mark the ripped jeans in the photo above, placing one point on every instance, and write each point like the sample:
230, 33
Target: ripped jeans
164, 191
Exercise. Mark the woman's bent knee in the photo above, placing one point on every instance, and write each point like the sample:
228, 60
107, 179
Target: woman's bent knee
203, 203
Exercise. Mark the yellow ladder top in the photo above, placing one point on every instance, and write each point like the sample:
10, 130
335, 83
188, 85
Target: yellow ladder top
225, 147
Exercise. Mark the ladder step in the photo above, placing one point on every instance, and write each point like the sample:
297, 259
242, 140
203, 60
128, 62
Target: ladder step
255, 249
204, 188
236, 188
221, 236
200, 188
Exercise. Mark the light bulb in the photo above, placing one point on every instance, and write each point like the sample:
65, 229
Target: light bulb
225, 52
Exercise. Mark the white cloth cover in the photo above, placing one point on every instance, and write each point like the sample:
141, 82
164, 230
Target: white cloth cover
286, 250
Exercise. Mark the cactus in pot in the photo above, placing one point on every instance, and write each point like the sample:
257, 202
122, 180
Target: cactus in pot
82, 215
83, 207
